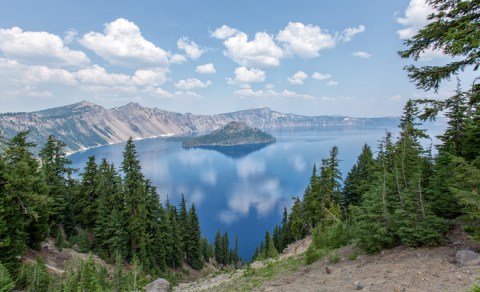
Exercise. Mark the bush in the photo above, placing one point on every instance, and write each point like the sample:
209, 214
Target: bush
334, 258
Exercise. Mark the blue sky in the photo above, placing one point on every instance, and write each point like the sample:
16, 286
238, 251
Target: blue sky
304, 57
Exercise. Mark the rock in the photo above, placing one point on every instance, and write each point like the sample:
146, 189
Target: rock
159, 285
465, 256
358, 285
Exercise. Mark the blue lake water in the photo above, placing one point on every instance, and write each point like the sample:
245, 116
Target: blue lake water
242, 194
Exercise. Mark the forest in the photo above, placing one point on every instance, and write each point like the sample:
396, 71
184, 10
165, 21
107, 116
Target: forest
114, 213
406, 194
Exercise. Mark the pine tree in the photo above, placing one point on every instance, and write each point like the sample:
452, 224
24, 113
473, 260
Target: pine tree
55, 172
175, 255
218, 247
23, 204
135, 195
89, 280
85, 199
296, 224
270, 250
194, 255
183, 224
359, 178
6, 282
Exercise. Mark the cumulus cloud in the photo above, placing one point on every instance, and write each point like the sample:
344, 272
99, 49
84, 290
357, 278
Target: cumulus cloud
98, 75
259, 52
206, 69
297, 78
305, 40
39, 48
363, 55
249, 167
349, 32
321, 76
332, 83
415, 18
192, 83
245, 75
223, 32
149, 77
122, 43
178, 59
192, 50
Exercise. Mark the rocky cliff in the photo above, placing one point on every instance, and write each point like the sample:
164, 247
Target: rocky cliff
85, 124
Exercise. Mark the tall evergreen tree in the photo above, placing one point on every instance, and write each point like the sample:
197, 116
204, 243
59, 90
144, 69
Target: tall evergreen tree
23, 204
135, 203
86, 197
183, 224
194, 254
55, 172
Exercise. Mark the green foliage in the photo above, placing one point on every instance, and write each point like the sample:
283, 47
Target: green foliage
333, 258
6, 282
234, 133
34, 277
59, 240
312, 254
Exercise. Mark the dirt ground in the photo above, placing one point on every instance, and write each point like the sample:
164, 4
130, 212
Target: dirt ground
397, 269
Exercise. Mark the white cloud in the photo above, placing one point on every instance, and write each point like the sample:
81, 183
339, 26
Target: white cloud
122, 43
192, 83
149, 77
249, 167
297, 78
206, 69
349, 32
178, 59
223, 32
209, 177
305, 40
363, 55
40, 48
260, 52
297, 162
192, 50
332, 83
415, 18
98, 75
245, 75
321, 76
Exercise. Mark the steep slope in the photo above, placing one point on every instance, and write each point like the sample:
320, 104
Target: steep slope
85, 124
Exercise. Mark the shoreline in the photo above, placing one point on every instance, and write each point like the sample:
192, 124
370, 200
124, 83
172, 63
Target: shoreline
68, 153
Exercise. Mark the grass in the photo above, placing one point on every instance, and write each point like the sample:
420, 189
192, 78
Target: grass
253, 278
333, 258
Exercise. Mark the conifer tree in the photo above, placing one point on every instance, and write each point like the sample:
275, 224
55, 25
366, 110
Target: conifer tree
183, 224
86, 197
154, 213
359, 178
55, 172
296, 225
194, 254
23, 203
135, 203
175, 255
218, 247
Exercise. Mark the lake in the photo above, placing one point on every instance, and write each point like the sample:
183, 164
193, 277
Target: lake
243, 191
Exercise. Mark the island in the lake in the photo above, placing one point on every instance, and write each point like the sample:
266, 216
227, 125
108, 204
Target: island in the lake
232, 134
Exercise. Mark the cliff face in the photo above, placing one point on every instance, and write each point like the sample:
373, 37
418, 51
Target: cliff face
86, 124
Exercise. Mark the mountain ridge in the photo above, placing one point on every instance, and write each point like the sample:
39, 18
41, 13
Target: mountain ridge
85, 124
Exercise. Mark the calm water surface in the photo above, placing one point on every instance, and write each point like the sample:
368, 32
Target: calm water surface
243, 194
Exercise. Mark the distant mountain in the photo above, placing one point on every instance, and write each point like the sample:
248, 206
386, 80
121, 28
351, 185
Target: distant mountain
85, 124
232, 134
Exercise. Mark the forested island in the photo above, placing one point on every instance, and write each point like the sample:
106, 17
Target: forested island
233, 134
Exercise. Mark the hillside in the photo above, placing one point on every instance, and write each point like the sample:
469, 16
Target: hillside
233, 134
397, 269
85, 124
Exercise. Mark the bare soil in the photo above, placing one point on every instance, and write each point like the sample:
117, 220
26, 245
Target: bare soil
397, 269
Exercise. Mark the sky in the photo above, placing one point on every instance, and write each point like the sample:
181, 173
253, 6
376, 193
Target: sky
205, 57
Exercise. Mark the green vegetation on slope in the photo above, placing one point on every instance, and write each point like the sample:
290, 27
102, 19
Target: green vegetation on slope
234, 133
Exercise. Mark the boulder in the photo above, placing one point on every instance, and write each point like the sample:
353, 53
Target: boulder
463, 257
159, 285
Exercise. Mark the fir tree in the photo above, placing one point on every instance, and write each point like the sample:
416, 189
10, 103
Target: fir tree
55, 172
86, 197
194, 255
